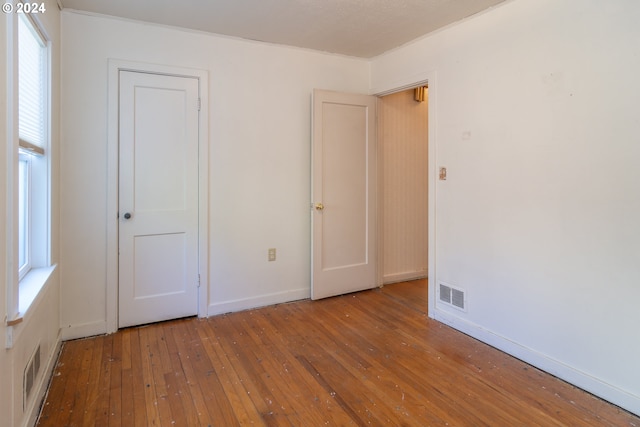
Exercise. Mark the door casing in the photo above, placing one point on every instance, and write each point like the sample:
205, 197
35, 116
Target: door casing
426, 78
114, 68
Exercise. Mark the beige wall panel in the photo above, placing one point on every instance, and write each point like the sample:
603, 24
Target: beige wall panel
404, 142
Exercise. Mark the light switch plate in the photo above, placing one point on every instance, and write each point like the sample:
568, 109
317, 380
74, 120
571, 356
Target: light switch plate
443, 174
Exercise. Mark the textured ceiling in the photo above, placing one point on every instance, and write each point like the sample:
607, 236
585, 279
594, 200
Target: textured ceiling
362, 28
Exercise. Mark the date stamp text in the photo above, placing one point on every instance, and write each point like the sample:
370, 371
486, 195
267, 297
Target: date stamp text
21, 7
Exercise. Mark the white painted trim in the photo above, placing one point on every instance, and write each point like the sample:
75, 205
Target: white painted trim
203, 196
403, 277
31, 287
429, 77
33, 411
432, 181
541, 361
405, 83
84, 330
112, 198
380, 198
259, 301
114, 67
42, 282
11, 201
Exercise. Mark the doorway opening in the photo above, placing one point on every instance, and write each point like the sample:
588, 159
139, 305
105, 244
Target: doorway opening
403, 137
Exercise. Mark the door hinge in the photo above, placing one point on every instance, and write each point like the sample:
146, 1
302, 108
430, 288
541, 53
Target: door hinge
199, 104
198, 280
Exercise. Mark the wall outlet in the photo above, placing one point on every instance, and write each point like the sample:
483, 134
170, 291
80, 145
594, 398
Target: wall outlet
272, 254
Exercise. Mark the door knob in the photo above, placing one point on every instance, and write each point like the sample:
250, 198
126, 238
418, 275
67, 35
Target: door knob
127, 215
319, 206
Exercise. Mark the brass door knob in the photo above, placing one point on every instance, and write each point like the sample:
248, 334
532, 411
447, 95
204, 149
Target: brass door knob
319, 206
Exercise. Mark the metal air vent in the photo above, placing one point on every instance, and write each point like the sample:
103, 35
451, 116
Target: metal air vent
454, 297
30, 374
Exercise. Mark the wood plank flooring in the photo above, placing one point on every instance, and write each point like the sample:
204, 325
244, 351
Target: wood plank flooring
372, 358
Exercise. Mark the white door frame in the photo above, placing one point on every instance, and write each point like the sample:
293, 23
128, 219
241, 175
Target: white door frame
398, 86
115, 66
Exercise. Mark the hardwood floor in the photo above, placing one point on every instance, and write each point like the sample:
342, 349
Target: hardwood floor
371, 358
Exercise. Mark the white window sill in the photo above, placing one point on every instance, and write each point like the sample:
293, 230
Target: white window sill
31, 285
30, 291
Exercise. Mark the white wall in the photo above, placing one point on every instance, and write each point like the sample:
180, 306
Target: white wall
259, 136
41, 321
536, 120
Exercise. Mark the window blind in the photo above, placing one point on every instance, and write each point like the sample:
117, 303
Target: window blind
31, 86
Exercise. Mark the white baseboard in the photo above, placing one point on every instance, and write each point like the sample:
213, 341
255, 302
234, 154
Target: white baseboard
33, 411
403, 277
541, 361
84, 330
260, 301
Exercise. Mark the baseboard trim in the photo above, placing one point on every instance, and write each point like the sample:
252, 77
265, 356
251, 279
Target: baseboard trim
83, 330
541, 361
260, 301
403, 277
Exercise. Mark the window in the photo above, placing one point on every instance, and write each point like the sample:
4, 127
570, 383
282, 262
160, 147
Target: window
28, 196
33, 166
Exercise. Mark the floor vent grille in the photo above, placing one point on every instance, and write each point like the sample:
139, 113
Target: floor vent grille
454, 297
30, 374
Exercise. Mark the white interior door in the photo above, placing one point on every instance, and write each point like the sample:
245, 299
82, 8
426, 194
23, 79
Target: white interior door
344, 179
158, 198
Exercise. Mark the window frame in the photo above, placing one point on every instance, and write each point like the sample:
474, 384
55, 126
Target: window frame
24, 285
36, 243
24, 203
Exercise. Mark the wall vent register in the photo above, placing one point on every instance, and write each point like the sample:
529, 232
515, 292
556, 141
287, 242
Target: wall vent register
30, 374
452, 296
